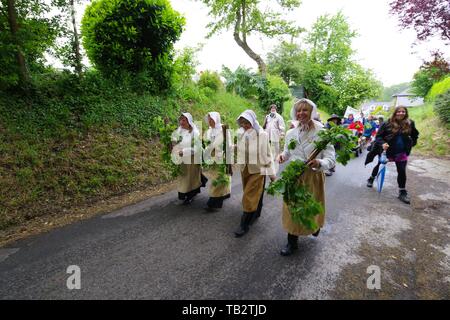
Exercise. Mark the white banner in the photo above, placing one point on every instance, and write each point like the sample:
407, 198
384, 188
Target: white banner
356, 113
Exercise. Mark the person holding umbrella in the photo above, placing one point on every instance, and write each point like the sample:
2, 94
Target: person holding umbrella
397, 136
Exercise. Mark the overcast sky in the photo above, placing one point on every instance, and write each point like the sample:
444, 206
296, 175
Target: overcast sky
381, 45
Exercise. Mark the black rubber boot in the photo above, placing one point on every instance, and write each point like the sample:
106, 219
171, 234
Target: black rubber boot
204, 180
403, 196
244, 226
370, 182
291, 246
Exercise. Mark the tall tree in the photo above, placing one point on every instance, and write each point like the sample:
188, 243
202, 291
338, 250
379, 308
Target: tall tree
285, 60
27, 30
328, 57
356, 86
426, 17
330, 43
24, 74
326, 70
70, 52
245, 18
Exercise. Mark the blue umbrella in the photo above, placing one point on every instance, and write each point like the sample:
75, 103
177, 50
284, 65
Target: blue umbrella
381, 172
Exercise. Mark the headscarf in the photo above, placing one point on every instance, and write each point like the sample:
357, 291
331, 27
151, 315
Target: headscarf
216, 117
191, 122
314, 113
250, 116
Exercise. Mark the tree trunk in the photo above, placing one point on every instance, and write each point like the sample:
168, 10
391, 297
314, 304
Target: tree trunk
24, 75
240, 19
76, 42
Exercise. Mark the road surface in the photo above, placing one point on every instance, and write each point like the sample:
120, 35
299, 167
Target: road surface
159, 249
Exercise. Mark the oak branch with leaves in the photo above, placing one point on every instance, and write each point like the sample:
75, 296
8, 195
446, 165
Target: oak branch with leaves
301, 203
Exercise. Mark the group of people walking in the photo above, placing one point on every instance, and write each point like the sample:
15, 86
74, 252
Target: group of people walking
259, 152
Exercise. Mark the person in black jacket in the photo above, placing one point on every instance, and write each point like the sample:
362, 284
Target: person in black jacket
397, 136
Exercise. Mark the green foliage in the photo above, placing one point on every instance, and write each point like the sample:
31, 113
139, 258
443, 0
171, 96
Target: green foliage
133, 37
300, 201
292, 145
184, 67
68, 48
286, 61
438, 88
302, 205
61, 100
273, 90
269, 22
422, 83
223, 178
209, 79
434, 134
338, 135
384, 114
242, 81
246, 18
166, 129
326, 70
442, 106
356, 86
37, 33
430, 72
330, 40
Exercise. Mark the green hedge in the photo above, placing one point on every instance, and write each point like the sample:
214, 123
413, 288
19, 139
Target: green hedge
442, 106
273, 91
210, 79
132, 37
438, 88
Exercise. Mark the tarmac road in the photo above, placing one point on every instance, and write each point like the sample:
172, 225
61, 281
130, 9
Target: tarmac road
159, 249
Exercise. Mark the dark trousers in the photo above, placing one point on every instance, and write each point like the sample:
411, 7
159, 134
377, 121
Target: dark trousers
401, 173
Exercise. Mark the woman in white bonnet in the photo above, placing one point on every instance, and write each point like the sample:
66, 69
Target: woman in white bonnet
215, 154
188, 152
304, 111
255, 162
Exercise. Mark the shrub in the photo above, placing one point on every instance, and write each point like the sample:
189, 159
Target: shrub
438, 88
184, 67
273, 90
242, 81
442, 106
210, 79
132, 37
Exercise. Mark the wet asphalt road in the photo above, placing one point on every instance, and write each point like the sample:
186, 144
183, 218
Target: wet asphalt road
159, 249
